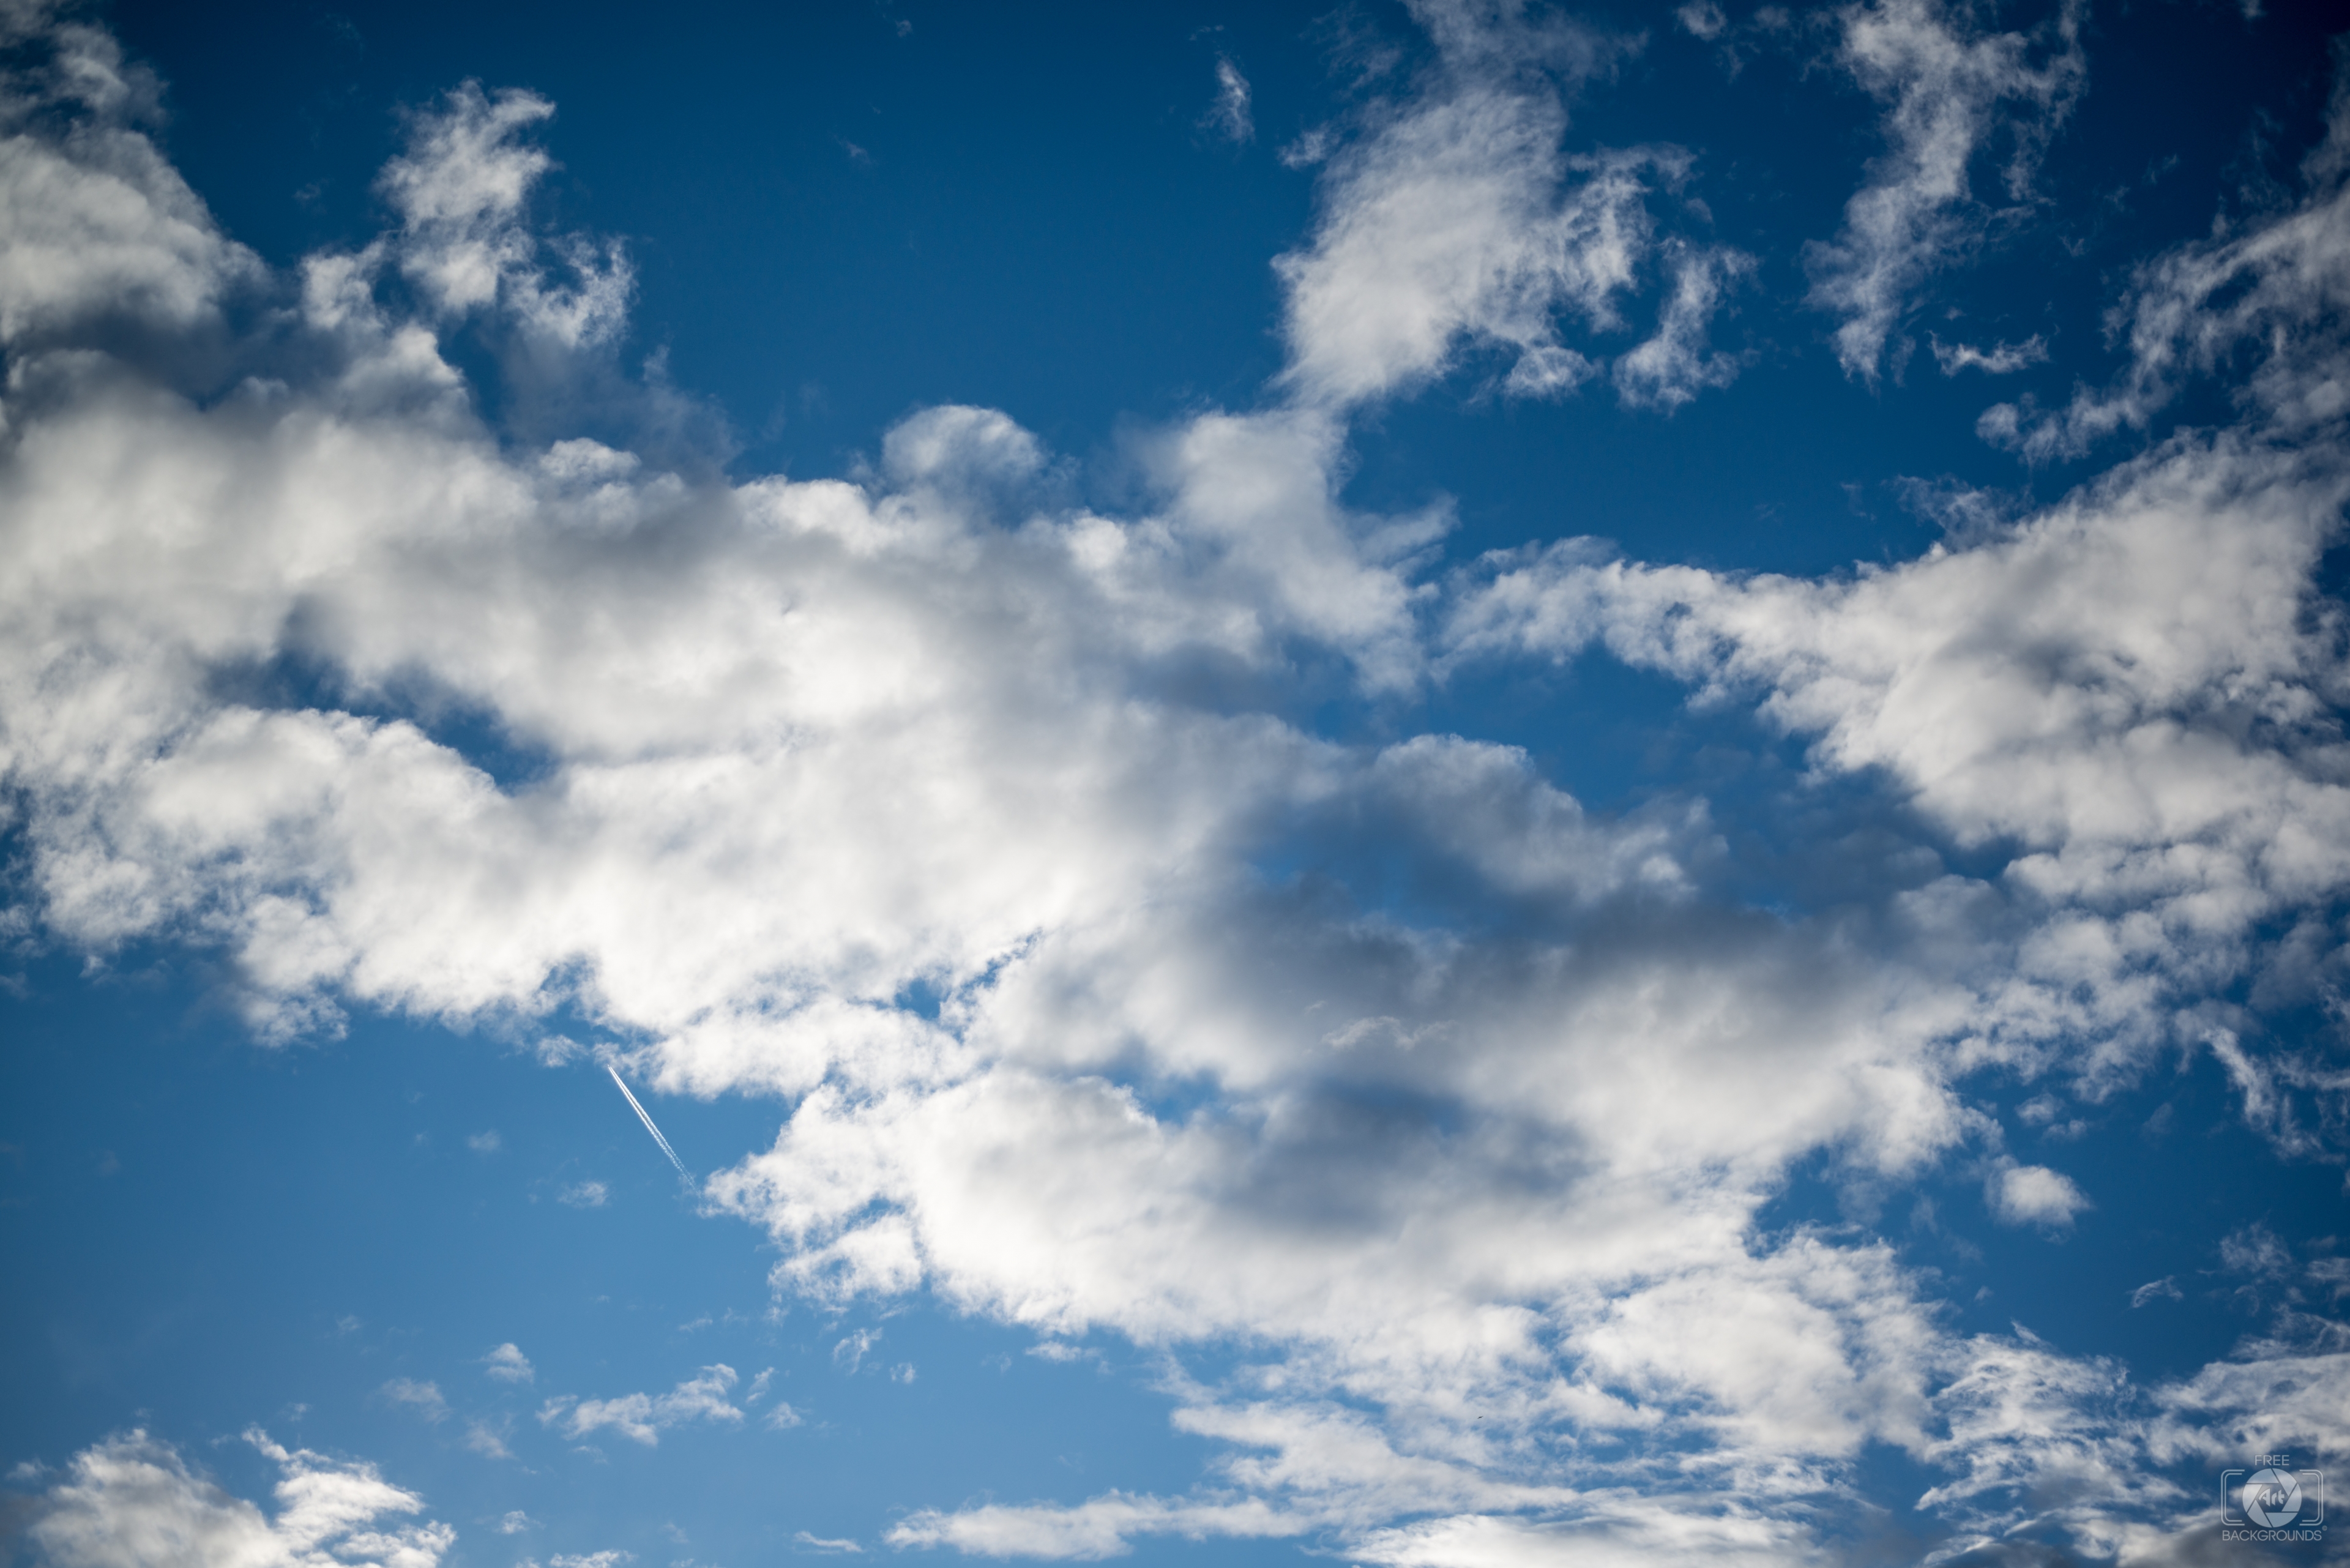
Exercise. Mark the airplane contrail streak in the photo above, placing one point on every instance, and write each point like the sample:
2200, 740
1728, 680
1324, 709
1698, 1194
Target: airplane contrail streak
647, 1121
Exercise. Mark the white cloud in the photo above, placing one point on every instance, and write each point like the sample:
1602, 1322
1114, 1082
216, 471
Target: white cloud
1673, 366
2123, 685
2267, 289
1701, 19
424, 1399
131, 1501
643, 1417
515, 1522
460, 191
1228, 116
99, 223
486, 1440
2035, 1194
508, 1364
1998, 359
2274, 1399
584, 1194
1945, 86
1461, 220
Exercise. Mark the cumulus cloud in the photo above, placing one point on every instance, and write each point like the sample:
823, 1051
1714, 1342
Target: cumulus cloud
132, 1502
100, 224
2035, 1194
1455, 1103
1949, 88
643, 1417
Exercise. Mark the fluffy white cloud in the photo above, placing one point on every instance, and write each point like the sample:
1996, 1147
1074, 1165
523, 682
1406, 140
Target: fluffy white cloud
1949, 88
2127, 687
99, 223
460, 191
132, 1502
1460, 219
2035, 1194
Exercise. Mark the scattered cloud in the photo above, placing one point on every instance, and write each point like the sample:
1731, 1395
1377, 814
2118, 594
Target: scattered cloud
1228, 116
460, 191
2265, 288
1998, 359
424, 1399
131, 1501
2035, 1194
584, 1194
1701, 19
508, 1364
1949, 88
643, 1417
486, 1440
1461, 222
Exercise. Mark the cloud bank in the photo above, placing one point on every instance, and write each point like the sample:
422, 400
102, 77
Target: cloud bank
1473, 1168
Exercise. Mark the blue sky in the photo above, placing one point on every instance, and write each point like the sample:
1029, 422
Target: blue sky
1448, 785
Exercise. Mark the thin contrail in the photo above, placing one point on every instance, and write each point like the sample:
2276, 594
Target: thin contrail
647, 1121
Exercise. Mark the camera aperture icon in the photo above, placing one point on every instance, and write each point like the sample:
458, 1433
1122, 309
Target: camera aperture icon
2272, 1498
2275, 1497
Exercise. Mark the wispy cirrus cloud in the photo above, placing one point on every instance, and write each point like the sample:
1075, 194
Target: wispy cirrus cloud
2267, 286
1228, 116
423, 1397
1950, 87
